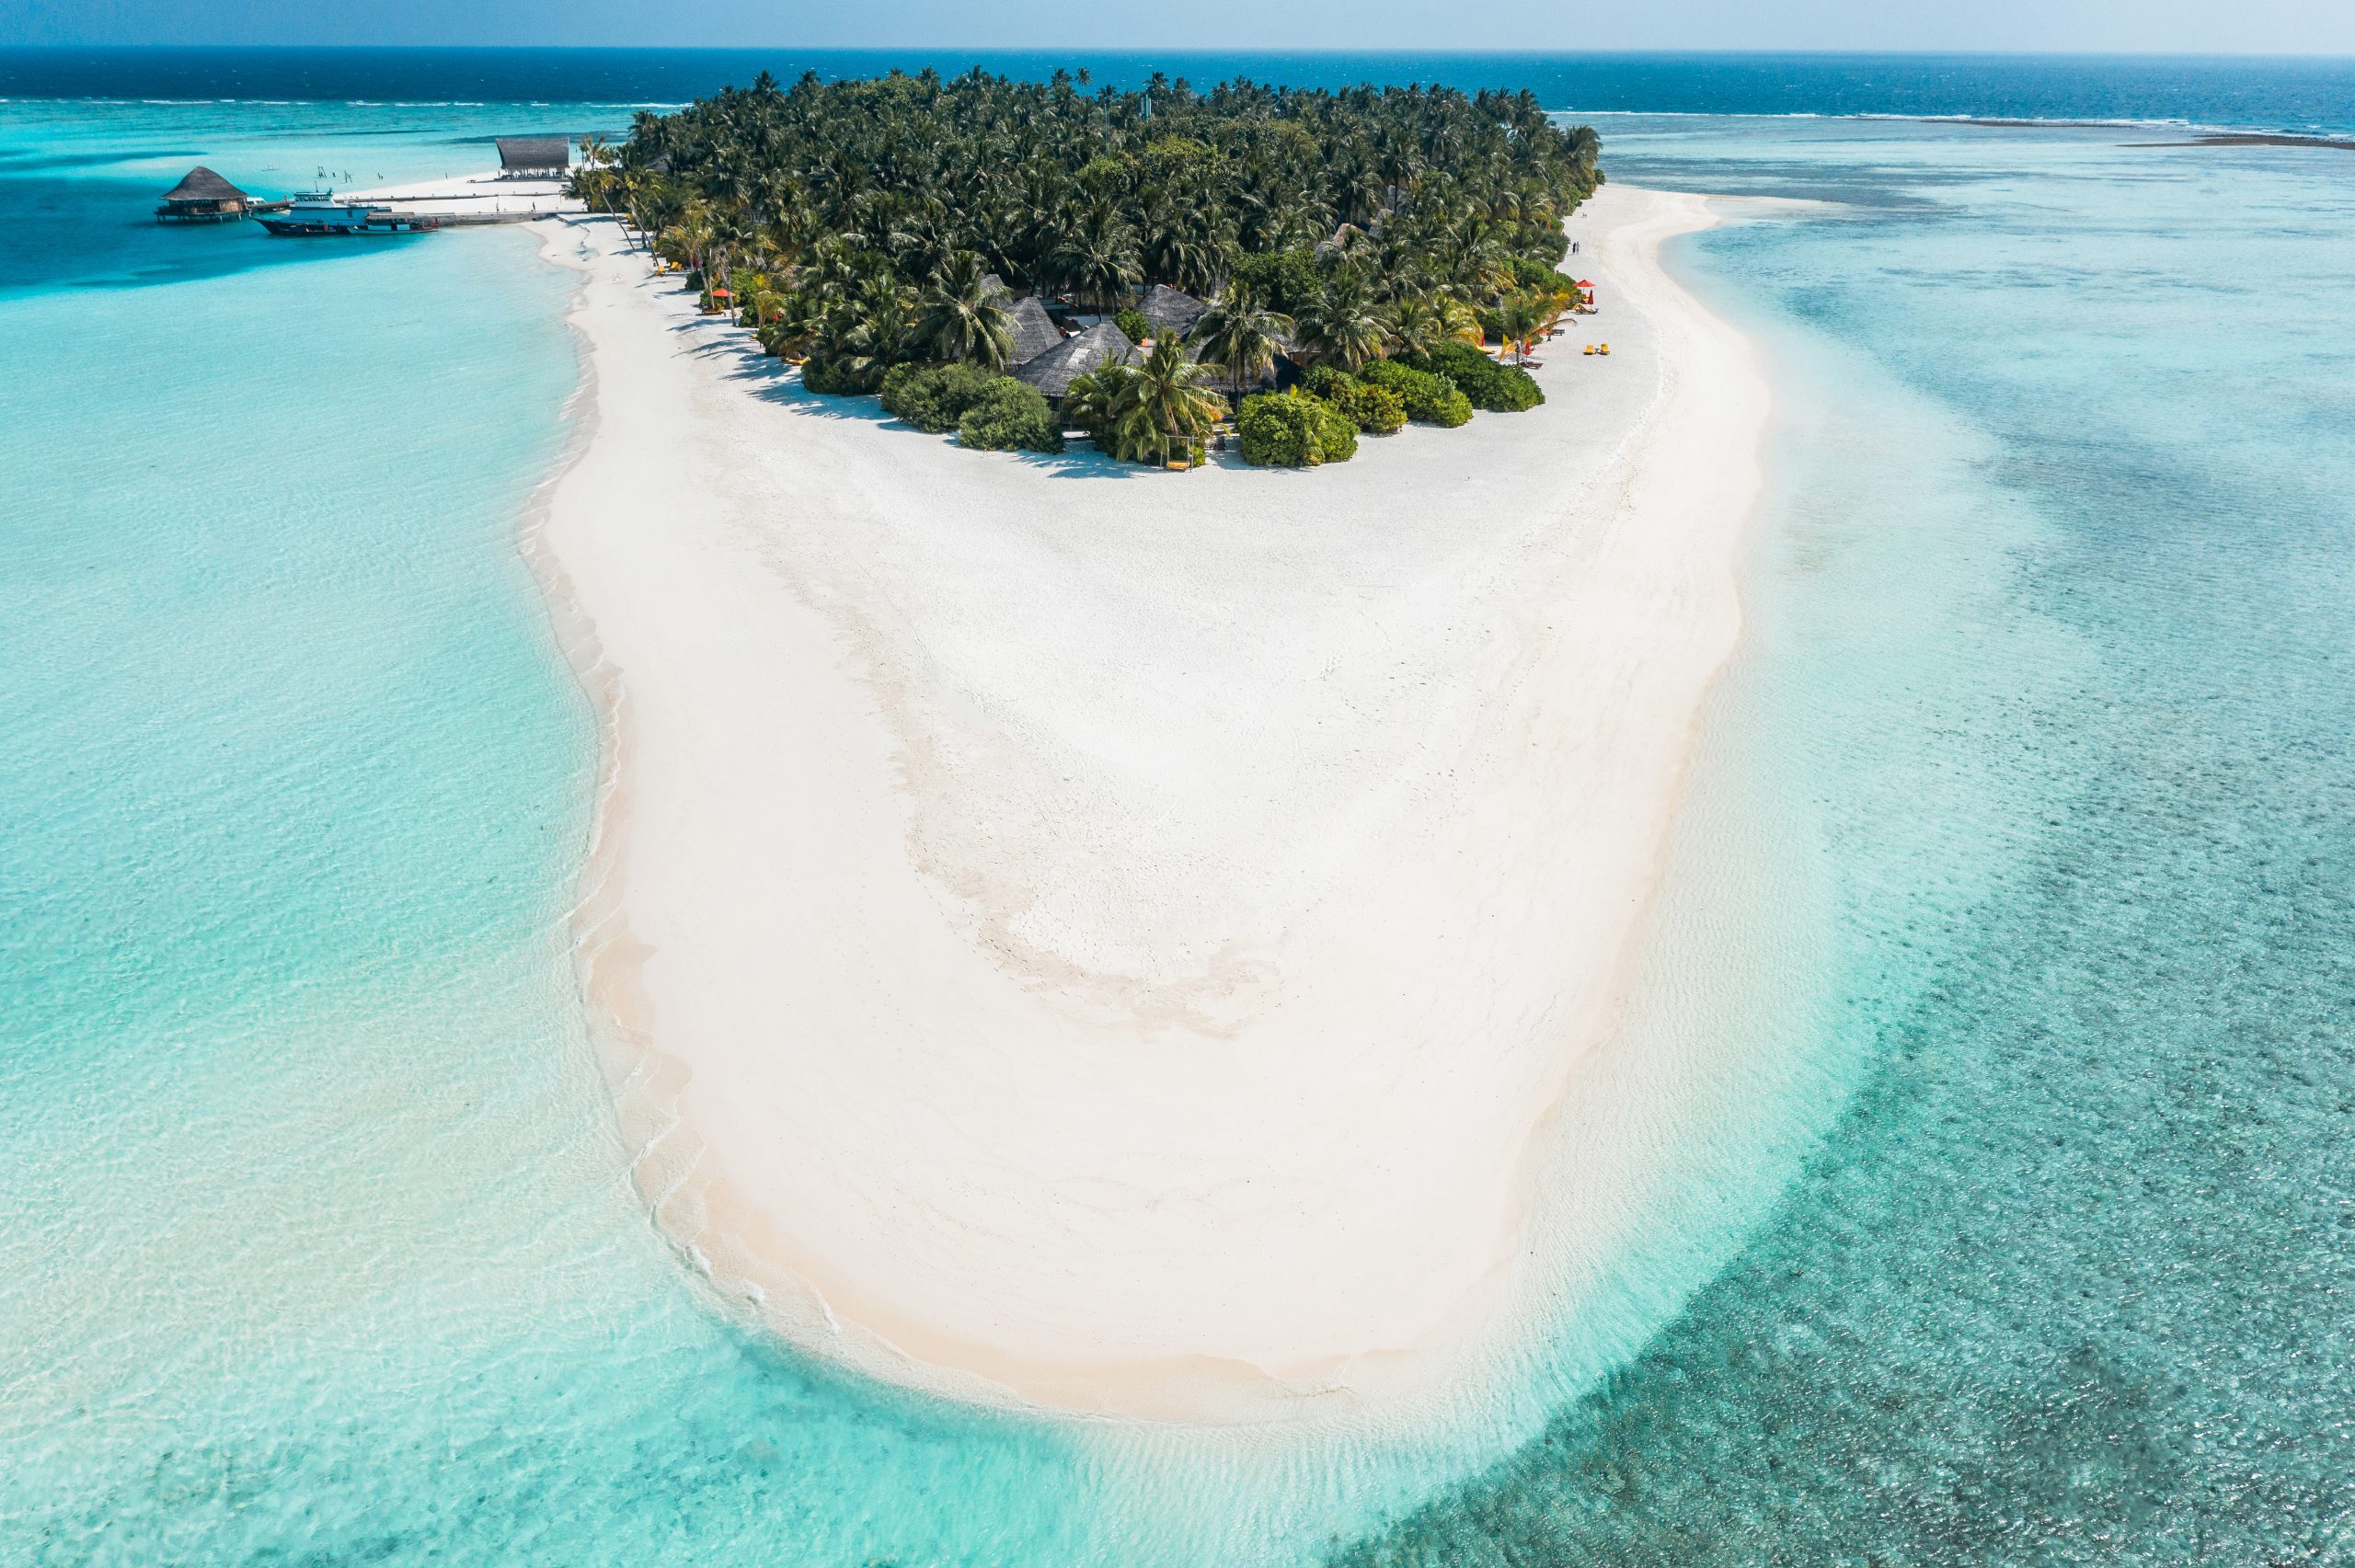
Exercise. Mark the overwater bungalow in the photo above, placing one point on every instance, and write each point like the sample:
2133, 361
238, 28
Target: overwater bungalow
1054, 372
203, 197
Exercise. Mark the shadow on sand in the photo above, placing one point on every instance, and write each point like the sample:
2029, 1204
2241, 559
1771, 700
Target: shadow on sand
714, 339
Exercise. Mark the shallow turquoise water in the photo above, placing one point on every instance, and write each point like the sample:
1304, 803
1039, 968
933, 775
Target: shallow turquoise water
2055, 621
319, 1239
2019, 1167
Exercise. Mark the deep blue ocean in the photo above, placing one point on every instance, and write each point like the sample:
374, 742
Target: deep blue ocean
2295, 95
319, 1242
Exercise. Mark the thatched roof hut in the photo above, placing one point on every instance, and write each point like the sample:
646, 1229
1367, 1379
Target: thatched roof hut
201, 184
202, 194
1054, 372
523, 158
1172, 312
1034, 332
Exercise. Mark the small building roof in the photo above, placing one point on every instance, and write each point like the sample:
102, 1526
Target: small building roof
1171, 311
534, 153
1054, 372
1338, 239
202, 185
992, 284
1034, 331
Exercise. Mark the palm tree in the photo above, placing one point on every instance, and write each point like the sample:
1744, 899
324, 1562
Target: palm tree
759, 300
1462, 322
1521, 318
1342, 326
921, 238
593, 180
1098, 258
1166, 406
646, 202
1094, 400
1416, 325
884, 333
960, 318
1241, 336
689, 238
1190, 249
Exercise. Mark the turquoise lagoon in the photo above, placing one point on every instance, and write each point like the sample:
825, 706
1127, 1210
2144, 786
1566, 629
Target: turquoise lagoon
2006, 956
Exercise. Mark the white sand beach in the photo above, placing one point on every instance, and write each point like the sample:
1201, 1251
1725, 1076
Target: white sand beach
1111, 938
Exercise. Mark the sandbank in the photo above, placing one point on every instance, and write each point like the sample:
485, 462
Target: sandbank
1109, 938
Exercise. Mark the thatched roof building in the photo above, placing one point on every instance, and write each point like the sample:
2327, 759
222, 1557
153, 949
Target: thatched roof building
1034, 332
1054, 372
521, 158
1172, 312
203, 197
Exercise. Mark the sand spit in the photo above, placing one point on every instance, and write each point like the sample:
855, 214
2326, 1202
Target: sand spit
1110, 938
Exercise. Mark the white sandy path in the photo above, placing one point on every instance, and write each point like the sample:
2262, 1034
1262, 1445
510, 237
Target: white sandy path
1111, 938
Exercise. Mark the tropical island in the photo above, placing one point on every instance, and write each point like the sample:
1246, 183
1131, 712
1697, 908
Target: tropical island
1062, 936
1010, 260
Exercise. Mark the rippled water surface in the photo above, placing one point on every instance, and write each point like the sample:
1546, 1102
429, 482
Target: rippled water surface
2055, 613
2007, 943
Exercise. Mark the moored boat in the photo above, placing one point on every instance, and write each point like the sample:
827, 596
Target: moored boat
316, 215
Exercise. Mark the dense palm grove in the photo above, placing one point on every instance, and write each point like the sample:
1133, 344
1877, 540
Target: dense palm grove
856, 225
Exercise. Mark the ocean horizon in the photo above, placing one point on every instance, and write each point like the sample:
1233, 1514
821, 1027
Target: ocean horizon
2288, 94
2009, 894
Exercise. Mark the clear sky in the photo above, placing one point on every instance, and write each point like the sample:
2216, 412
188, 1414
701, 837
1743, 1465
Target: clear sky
2296, 27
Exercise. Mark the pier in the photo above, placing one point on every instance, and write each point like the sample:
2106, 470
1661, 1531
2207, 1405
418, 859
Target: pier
472, 200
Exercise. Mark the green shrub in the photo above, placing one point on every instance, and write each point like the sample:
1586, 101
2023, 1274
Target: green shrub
1322, 379
1375, 411
1009, 415
1533, 276
837, 378
1492, 387
934, 397
1132, 321
1426, 397
1294, 429
1284, 281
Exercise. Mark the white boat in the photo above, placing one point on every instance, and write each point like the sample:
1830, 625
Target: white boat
316, 214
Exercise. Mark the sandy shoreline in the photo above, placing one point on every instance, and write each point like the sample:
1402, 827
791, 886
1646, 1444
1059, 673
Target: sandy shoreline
1110, 938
